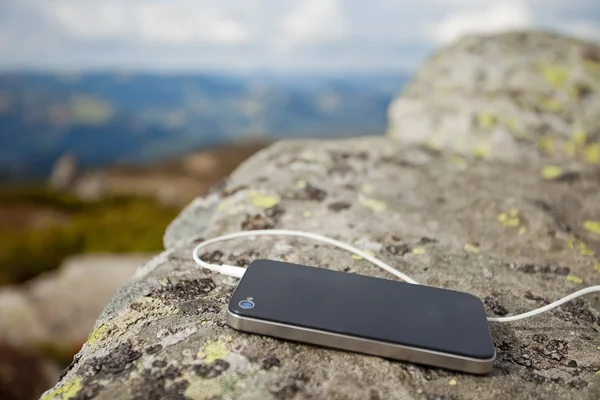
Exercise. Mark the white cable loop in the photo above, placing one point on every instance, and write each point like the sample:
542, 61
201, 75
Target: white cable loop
238, 272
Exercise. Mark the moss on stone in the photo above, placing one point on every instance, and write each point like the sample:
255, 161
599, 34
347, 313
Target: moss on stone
551, 171
67, 391
547, 145
482, 150
471, 248
592, 153
556, 76
592, 226
97, 334
262, 200
486, 120
214, 351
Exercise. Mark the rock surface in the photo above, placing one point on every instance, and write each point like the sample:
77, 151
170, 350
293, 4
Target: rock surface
506, 97
165, 335
516, 234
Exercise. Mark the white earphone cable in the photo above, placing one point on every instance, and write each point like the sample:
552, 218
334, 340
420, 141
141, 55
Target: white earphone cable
238, 272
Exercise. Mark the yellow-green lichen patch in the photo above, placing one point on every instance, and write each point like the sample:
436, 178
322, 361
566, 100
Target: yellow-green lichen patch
547, 145
513, 124
452, 382
570, 148
214, 351
579, 137
67, 391
97, 334
574, 279
597, 266
418, 251
262, 200
482, 150
592, 153
507, 221
510, 219
577, 146
592, 226
301, 184
551, 172
551, 105
486, 120
582, 246
357, 257
522, 230
375, 205
471, 248
555, 76
586, 251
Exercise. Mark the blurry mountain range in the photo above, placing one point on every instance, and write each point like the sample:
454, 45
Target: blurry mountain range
108, 118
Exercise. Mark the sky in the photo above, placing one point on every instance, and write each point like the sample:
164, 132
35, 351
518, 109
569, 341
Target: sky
263, 35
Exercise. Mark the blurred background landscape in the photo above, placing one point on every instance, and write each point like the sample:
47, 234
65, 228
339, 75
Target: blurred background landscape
114, 115
79, 152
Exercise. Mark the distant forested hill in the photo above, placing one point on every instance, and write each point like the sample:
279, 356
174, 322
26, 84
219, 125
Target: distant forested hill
107, 118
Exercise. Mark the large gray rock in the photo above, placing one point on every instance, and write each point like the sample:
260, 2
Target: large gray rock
164, 334
506, 97
516, 234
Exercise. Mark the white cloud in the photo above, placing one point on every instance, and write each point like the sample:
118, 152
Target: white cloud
493, 17
177, 22
314, 21
193, 35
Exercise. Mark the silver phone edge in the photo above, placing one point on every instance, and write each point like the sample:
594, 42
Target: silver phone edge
361, 345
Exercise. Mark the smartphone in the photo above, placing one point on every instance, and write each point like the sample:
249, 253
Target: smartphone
395, 320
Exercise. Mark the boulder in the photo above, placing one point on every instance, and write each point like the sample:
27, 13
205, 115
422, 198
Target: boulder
60, 308
509, 96
499, 231
516, 231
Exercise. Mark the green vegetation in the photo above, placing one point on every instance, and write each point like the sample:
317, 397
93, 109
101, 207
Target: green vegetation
61, 354
42, 197
116, 224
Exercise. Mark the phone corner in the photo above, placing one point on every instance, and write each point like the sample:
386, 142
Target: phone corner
233, 319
